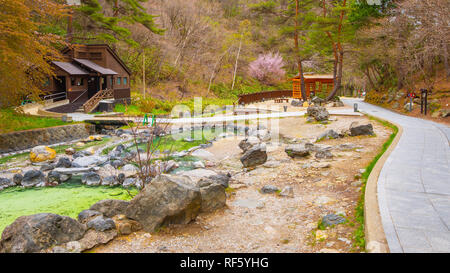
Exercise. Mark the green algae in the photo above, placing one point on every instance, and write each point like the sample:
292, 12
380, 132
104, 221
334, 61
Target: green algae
66, 199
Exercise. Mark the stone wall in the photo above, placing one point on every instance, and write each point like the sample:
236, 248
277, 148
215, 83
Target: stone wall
22, 140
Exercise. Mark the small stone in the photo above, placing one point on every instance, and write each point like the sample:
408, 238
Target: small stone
287, 191
101, 223
332, 219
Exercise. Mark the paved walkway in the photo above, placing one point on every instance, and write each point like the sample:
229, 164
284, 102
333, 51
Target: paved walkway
414, 184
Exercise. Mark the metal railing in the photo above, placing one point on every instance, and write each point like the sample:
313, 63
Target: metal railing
61, 95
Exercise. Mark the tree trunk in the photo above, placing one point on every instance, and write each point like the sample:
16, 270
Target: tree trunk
236, 64
299, 60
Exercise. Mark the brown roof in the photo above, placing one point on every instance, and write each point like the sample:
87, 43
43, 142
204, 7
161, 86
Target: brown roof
67, 48
316, 76
70, 68
98, 68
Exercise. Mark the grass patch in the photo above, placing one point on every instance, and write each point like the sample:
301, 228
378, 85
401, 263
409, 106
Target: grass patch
359, 235
67, 199
12, 121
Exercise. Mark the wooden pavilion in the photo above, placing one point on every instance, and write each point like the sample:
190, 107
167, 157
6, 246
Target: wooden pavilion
314, 83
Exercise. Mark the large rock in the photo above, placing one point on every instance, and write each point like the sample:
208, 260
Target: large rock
6, 183
42, 153
130, 170
111, 180
36, 232
91, 179
328, 134
64, 162
203, 154
357, 129
87, 214
86, 161
197, 174
101, 223
17, 178
248, 143
213, 195
110, 207
126, 226
33, 178
167, 199
319, 113
297, 150
255, 156
262, 134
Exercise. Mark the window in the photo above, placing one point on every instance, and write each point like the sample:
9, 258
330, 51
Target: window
72, 81
81, 81
118, 80
124, 80
111, 81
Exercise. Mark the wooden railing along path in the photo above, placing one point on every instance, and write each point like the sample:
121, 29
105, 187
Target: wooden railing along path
264, 95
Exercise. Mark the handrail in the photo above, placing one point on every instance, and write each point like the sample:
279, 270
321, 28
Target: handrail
47, 96
90, 105
79, 96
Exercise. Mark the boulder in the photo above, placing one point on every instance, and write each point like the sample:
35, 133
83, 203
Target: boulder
6, 183
248, 143
357, 129
126, 226
269, 189
64, 162
129, 182
167, 199
90, 239
324, 153
111, 180
213, 195
255, 156
332, 219
92, 160
36, 232
197, 174
17, 178
110, 207
91, 179
117, 163
87, 214
220, 178
54, 177
121, 178
129, 170
328, 134
297, 150
203, 154
46, 167
42, 153
33, 178
317, 100
318, 113
101, 223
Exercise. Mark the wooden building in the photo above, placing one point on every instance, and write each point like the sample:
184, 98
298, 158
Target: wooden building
313, 83
89, 74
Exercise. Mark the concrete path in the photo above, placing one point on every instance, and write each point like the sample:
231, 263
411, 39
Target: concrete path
414, 184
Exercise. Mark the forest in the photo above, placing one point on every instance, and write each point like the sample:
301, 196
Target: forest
219, 49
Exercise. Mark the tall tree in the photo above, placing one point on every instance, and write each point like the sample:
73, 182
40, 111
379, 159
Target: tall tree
26, 49
108, 22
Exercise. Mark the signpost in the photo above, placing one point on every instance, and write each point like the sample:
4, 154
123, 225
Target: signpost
411, 96
423, 101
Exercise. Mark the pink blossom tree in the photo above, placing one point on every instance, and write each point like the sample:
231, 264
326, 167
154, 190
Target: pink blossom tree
268, 68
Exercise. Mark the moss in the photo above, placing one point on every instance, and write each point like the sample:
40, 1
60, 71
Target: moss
67, 199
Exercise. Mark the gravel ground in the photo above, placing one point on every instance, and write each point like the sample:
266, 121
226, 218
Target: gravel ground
256, 222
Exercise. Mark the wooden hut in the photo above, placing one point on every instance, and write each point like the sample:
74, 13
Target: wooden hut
314, 83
